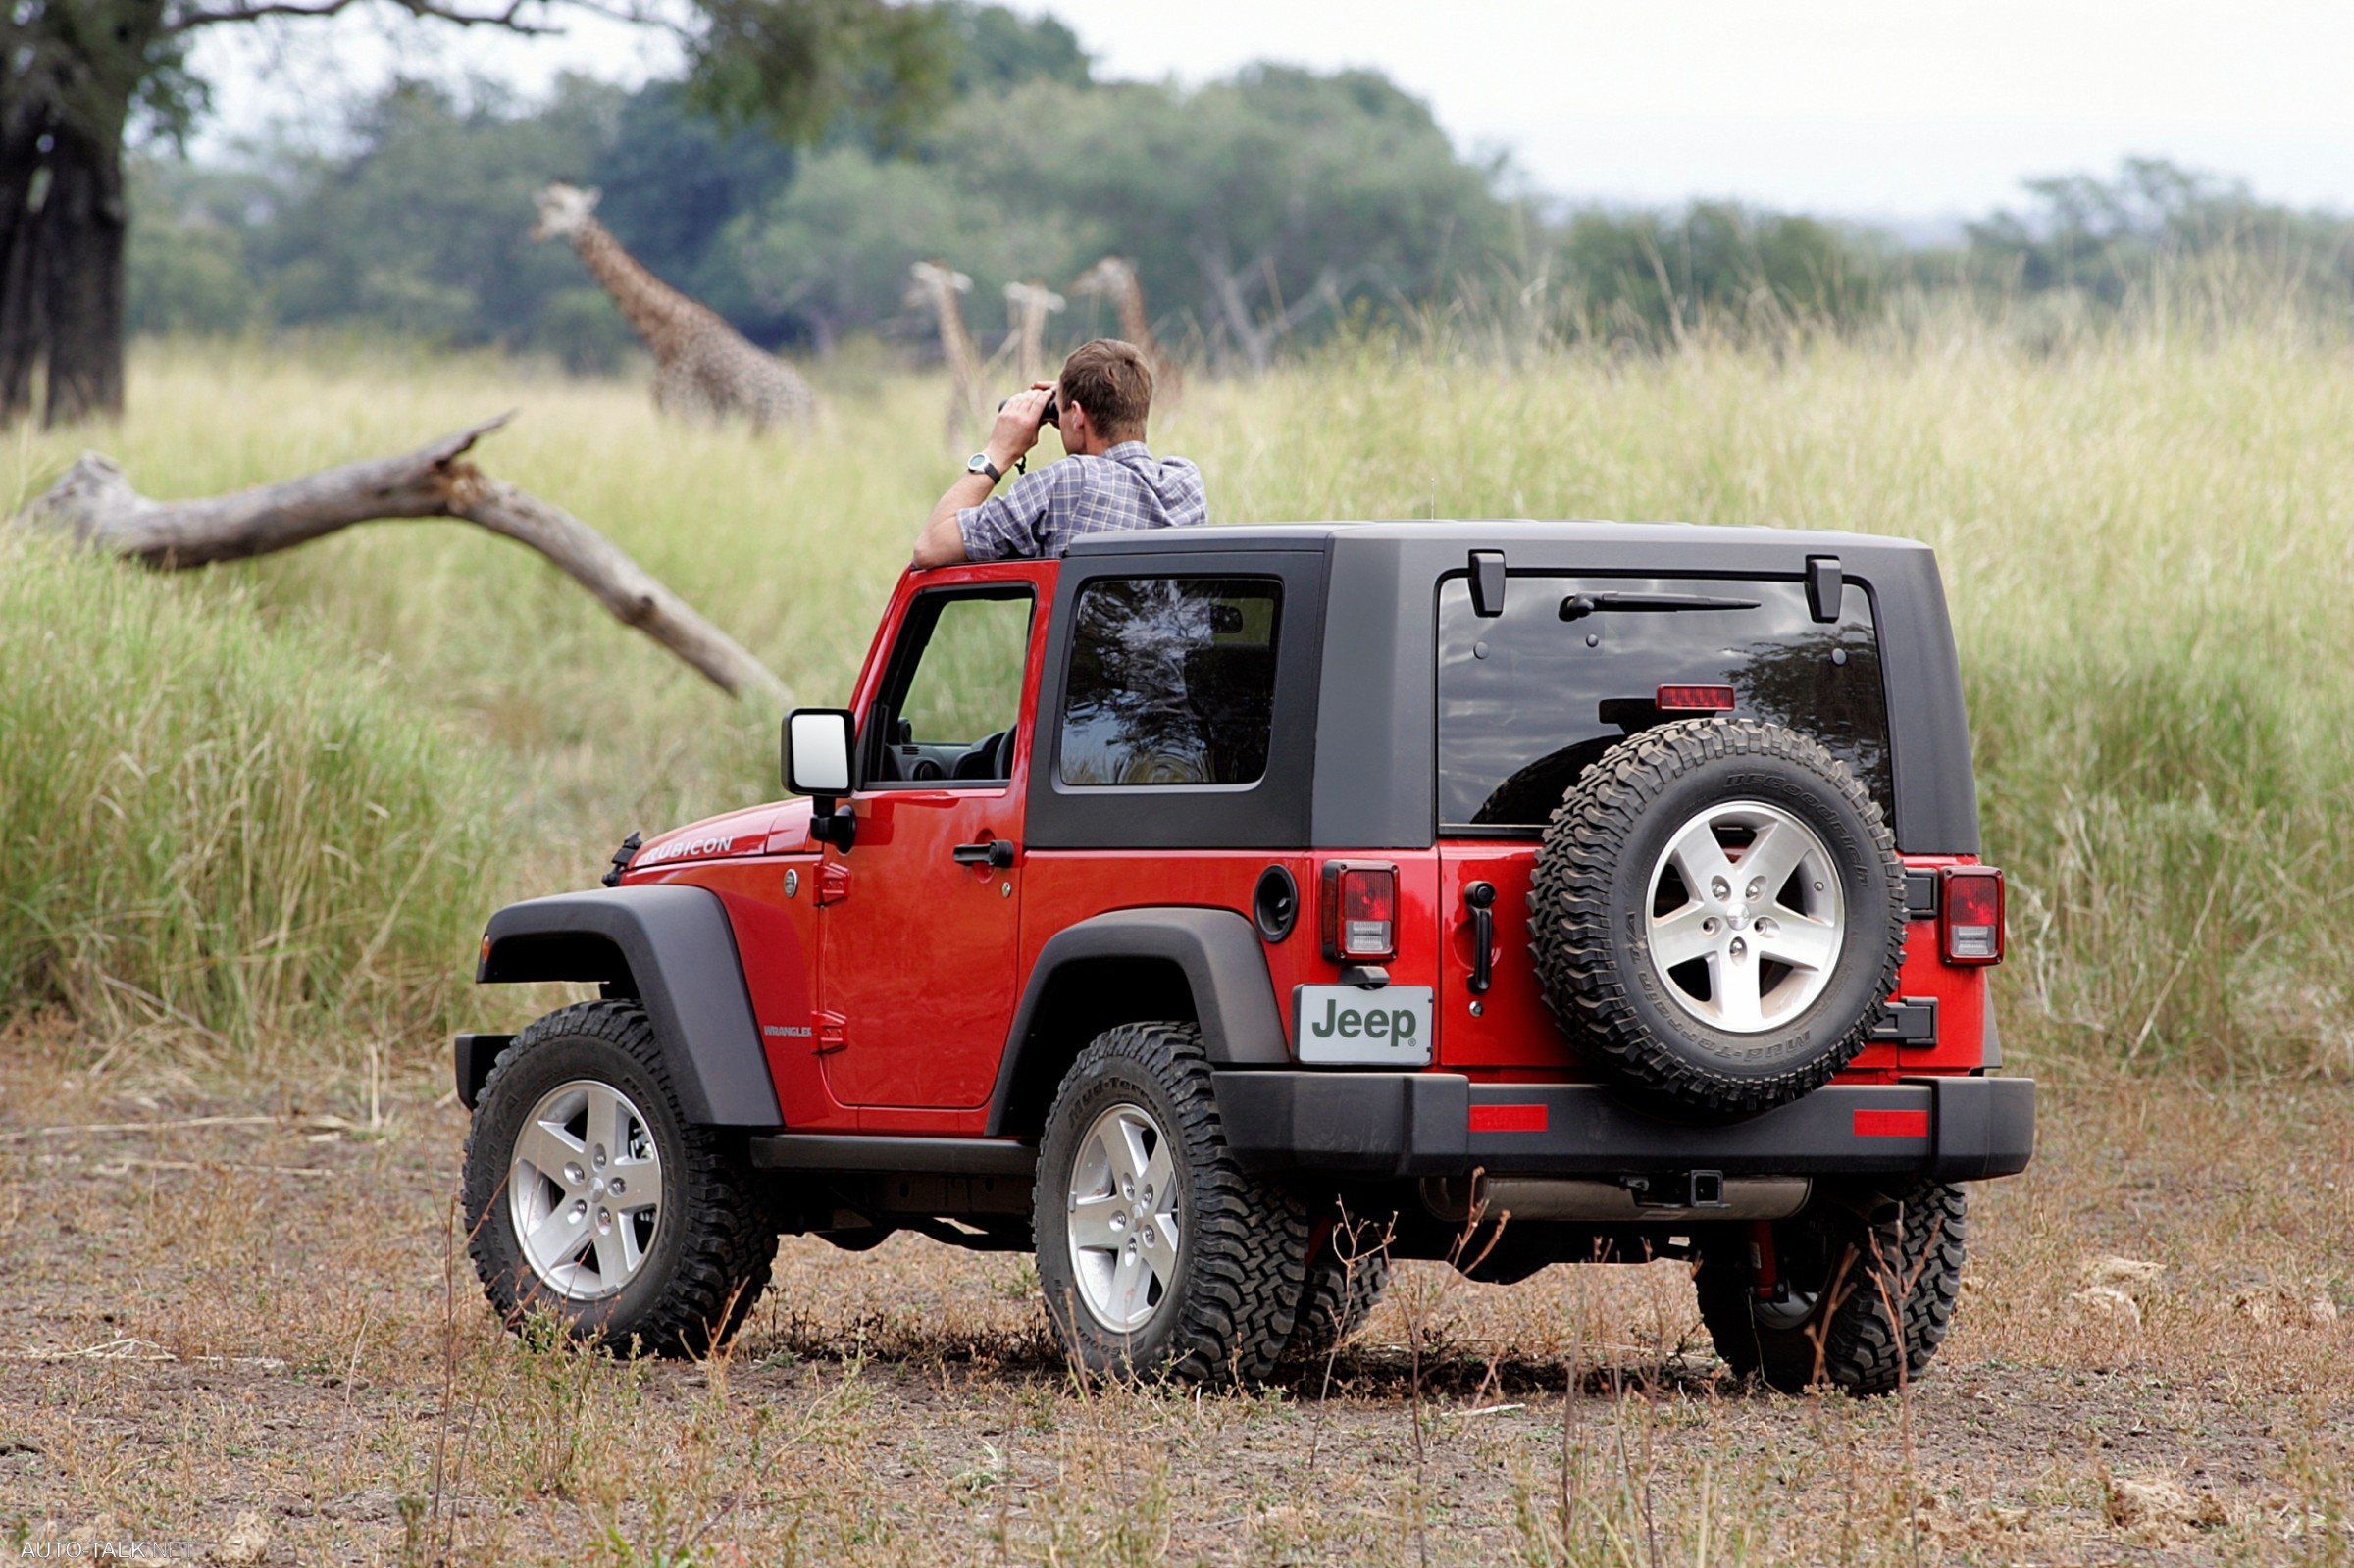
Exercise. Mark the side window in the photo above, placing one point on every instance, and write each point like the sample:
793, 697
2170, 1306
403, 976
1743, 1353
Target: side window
1172, 682
954, 690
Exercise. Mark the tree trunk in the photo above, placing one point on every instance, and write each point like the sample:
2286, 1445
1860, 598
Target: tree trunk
68, 69
83, 227
23, 191
95, 504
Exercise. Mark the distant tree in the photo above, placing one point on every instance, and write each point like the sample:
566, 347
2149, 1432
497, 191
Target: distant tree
1260, 204
1655, 276
423, 230
187, 263
79, 80
673, 178
834, 249
1265, 200
2107, 238
805, 67
999, 49
676, 174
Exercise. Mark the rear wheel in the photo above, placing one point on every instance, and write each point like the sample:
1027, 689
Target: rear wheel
1341, 1293
1858, 1299
1156, 1252
589, 1196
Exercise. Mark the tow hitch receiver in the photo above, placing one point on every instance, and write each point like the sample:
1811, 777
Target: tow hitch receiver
1683, 1190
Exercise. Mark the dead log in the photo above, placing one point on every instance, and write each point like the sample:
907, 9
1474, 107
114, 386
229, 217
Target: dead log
95, 504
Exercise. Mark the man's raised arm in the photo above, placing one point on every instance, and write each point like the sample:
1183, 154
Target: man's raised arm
939, 542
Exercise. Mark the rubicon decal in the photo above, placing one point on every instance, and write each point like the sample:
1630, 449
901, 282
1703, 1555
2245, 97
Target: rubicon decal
685, 849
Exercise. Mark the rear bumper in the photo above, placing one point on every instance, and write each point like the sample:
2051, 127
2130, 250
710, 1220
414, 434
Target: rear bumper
1441, 1123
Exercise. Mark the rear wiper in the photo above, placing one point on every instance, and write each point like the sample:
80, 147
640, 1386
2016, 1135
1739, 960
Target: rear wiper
1578, 606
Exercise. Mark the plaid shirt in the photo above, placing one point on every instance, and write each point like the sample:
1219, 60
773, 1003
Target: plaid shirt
1041, 513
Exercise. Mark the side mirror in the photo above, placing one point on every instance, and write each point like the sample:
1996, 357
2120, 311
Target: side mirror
818, 758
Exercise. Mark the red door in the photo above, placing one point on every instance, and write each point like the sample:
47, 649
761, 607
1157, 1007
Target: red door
919, 950
921, 918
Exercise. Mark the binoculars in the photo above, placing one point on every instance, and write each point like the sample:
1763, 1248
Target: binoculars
1051, 414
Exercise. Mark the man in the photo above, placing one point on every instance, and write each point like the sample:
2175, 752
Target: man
1109, 480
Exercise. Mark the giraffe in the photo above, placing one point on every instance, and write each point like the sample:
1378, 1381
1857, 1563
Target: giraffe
703, 369
1114, 278
939, 289
1028, 305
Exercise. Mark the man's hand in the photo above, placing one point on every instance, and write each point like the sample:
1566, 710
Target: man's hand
1018, 428
1010, 439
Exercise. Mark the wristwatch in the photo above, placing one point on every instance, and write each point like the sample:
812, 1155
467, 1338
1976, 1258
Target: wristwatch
979, 463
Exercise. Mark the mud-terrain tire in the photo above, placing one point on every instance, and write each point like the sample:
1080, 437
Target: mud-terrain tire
1693, 987
1133, 1150
1341, 1293
1843, 1271
689, 1272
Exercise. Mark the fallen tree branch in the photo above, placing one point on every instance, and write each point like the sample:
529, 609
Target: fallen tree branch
96, 505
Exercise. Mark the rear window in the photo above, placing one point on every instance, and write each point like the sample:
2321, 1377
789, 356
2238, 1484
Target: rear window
1172, 682
1528, 700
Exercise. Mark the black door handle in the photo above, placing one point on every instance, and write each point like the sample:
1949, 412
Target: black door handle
997, 852
1481, 897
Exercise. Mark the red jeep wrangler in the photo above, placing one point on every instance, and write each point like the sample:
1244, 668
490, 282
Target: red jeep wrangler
1606, 893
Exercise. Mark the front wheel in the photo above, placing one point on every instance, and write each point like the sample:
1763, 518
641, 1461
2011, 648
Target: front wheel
589, 1196
1156, 1252
1856, 1295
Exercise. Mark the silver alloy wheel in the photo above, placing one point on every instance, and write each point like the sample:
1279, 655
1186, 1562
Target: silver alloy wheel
1123, 1219
585, 1189
1746, 917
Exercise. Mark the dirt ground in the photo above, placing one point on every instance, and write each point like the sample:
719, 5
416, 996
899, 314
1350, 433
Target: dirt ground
237, 1330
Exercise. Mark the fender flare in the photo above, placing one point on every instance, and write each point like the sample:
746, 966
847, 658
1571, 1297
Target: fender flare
673, 949
1217, 950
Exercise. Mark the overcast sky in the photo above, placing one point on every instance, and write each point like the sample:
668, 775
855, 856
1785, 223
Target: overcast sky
1862, 108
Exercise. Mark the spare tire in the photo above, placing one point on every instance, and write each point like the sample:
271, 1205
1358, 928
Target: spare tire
1717, 916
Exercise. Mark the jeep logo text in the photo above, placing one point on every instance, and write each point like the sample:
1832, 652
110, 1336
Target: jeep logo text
1371, 1022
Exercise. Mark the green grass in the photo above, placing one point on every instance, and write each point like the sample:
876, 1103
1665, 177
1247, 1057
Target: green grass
227, 828
2148, 542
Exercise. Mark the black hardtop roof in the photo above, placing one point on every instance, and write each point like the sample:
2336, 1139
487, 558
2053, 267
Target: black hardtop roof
1749, 544
1372, 641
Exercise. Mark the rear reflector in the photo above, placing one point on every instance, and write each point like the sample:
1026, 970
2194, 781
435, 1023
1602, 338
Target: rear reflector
1695, 699
1892, 1124
1359, 910
1970, 918
1509, 1118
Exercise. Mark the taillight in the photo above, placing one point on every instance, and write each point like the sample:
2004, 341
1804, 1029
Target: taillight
1359, 911
1694, 699
1970, 914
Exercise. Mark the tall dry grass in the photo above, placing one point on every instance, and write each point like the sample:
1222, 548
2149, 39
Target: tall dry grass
2147, 535
221, 827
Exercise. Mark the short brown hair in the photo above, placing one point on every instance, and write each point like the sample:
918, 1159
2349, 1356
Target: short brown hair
1110, 380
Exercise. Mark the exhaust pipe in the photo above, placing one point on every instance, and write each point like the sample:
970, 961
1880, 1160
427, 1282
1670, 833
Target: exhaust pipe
1705, 1196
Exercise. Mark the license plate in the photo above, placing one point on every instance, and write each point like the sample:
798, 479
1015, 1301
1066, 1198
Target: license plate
1389, 1027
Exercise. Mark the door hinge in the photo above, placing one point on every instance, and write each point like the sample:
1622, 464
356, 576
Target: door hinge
832, 1032
832, 883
